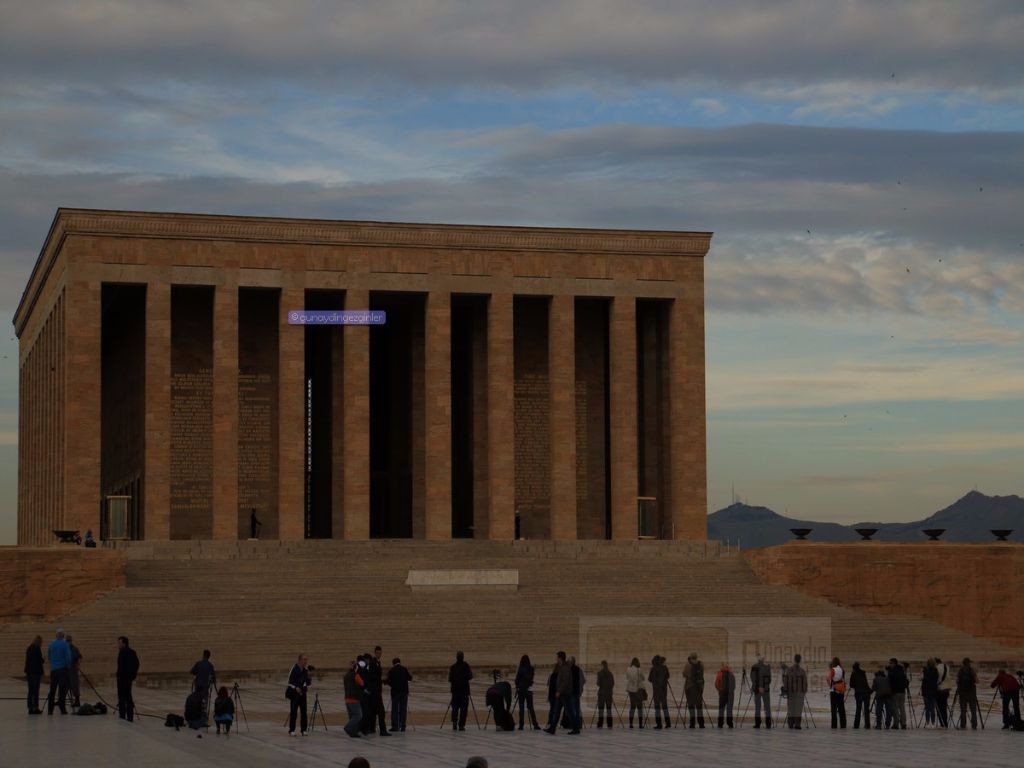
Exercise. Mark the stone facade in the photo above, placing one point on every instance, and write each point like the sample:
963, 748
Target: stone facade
528, 379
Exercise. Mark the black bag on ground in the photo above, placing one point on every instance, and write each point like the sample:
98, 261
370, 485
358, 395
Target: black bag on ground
174, 721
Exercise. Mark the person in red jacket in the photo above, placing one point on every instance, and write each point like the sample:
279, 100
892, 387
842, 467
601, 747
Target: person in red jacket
1009, 688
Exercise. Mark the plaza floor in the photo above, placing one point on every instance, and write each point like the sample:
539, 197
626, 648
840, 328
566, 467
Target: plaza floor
111, 743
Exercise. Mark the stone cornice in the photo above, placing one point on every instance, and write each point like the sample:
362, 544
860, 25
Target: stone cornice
187, 226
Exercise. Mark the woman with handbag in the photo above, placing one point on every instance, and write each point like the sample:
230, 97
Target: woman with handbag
837, 693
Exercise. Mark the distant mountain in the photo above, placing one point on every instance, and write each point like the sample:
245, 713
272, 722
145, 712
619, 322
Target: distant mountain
967, 520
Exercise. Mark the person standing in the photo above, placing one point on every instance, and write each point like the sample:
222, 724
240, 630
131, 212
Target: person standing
127, 671
563, 691
354, 682
761, 686
861, 695
375, 670
299, 682
59, 655
204, 675
1009, 689
34, 674
634, 687
967, 690
795, 680
725, 684
398, 681
899, 684
579, 680
837, 693
883, 700
524, 692
605, 694
942, 698
74, 673
929, 691
459, 675
658, 678
254, 525
693, 689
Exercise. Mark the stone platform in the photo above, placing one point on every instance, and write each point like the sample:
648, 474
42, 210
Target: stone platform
106, 741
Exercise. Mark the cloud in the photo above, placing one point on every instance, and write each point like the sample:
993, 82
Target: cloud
528, 43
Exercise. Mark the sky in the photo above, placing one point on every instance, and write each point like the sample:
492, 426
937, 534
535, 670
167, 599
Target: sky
861, 163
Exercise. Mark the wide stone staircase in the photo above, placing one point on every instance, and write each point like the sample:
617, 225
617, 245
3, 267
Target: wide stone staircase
257, 604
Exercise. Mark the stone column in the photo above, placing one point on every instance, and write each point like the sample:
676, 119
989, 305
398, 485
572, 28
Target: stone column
623, 406
82, 404
438, 415
157, 478
688, 443
356, 392
500, 418
291, 411
225, 406
562, 384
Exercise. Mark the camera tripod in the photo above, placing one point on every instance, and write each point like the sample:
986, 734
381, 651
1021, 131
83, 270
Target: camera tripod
236, 696
448, 709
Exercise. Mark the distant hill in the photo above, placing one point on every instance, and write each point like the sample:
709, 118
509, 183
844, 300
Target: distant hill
969, 519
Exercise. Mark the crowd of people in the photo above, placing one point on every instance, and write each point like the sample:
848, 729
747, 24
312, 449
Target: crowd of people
882, 697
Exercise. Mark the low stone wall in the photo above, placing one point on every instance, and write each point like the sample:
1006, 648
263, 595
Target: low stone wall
41, 584
975, 588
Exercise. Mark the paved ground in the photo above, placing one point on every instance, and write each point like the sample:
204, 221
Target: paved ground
108, 742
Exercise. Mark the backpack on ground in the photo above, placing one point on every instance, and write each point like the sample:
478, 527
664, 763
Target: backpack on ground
174, 721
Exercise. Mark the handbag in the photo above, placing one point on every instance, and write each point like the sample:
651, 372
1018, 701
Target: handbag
839, 687
643, 694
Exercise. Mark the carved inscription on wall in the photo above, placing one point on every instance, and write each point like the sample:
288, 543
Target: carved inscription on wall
533, 456
192, 444
256, 441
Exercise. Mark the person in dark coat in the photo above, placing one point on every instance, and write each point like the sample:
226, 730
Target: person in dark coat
761, 686
563, 692
795, 680
204, 675
658, 678
883, 700
34, 674
195, 712
576, 700
398, 681
899, 684
524, 692
499, 698
605, 694
375, 684
459, 675
930, 691
725, 684
693, 688
861, 695
299, 682
967, 690
127, 671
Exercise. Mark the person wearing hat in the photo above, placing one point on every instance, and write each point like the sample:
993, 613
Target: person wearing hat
398, 681
658, 678
693, 688
967, 690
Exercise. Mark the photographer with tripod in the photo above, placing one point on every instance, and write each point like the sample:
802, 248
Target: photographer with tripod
861, 696
299, 683
693, 688
1009, 688
204, 676
761, 686
635, 690
459, 675
524, 692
